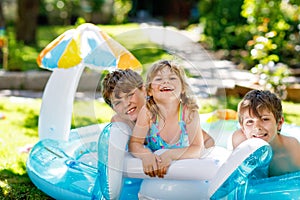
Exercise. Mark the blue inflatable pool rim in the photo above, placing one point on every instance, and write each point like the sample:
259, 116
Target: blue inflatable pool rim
253, 167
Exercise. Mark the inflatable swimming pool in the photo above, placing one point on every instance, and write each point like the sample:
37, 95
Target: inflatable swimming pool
92, 163
74, 170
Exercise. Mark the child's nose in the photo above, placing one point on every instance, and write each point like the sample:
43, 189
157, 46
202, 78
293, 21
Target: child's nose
129, 100
258, 125
257, 129
165, 80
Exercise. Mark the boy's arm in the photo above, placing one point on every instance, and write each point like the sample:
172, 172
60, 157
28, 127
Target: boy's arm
208, 140
117, 118
237, 138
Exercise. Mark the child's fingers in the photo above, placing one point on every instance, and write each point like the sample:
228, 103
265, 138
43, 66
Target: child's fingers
150, 171
162, 172
151, 167
157, 157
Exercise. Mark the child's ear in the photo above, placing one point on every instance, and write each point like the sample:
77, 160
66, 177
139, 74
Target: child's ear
280, 122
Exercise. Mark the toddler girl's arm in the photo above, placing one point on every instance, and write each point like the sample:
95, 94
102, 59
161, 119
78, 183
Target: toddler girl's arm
136, 143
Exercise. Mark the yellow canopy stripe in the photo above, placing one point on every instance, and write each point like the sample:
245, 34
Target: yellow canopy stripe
73, 51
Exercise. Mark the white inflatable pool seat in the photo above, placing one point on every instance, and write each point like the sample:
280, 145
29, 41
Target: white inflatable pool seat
203, 168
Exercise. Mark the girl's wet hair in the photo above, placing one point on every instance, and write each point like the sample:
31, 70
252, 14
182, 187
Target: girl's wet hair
120, 81
187, 97
257, 100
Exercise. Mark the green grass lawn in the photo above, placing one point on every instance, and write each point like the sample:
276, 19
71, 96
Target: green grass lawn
19, 128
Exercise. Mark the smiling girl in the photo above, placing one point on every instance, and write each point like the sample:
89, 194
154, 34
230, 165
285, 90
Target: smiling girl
169, 120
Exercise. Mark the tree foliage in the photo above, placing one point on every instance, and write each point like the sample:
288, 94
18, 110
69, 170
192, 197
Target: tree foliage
275, 40
279, 19
236, 25
223, 23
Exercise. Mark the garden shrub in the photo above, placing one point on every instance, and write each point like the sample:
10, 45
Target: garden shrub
267, 30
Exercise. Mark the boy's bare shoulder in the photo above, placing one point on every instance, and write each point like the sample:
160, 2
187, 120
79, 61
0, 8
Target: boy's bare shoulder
238, 137
293, 146
238, 132
289, 140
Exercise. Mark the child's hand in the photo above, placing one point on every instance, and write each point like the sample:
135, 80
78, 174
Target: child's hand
150, 165
163, 163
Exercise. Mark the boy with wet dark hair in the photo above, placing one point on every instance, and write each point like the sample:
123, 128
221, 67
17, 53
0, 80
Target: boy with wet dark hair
260, 116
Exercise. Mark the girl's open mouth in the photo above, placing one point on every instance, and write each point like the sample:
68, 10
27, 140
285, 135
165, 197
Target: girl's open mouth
166, 89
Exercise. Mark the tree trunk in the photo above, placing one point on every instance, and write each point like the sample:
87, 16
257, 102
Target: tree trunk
3, 40
2, 20
26, 26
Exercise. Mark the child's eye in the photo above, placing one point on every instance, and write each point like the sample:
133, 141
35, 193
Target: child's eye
115, 104
130, 94
173, 78
249, 122
265, 119
157, 79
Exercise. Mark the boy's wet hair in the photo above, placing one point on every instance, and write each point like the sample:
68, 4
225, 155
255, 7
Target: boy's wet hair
120, 81
257, 100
